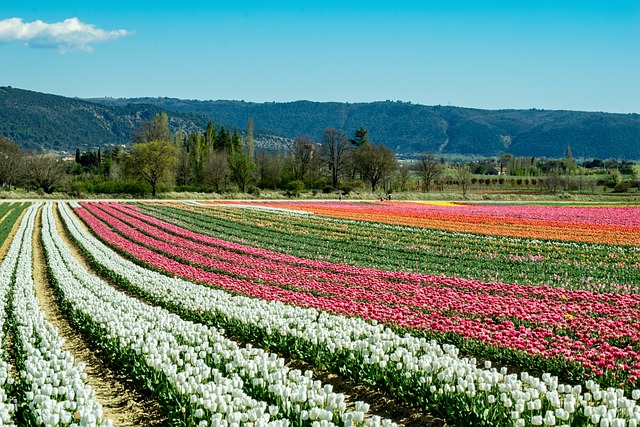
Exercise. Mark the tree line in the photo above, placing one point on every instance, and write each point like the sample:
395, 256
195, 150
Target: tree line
222, 160
216, 160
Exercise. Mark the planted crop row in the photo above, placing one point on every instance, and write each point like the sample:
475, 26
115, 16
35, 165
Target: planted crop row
48, 388
577, 327
209, 376
9, 214
557, 264
411, 367
621, 229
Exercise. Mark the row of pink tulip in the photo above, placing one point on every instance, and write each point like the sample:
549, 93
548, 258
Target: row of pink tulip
528, 324
227, 250
395, 288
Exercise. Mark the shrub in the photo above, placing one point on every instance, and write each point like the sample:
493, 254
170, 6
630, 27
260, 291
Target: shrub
295, 188
622, 187
346, 189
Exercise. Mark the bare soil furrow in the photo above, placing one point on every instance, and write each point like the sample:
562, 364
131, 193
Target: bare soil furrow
121, 399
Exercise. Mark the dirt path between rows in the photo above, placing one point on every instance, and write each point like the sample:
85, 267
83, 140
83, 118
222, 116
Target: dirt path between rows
122, 401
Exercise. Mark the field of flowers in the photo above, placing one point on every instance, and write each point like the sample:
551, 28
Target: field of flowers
481, 315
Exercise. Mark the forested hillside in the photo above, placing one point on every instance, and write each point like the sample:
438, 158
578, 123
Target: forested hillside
412, 128
42, 121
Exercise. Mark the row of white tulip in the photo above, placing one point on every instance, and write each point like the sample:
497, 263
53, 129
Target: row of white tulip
54, 386
7, 270
434, 372
282, 211
200, 363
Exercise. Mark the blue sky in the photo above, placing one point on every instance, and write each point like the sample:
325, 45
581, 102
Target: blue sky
549, 54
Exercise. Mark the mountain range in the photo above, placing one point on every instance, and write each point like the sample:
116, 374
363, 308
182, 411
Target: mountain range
36, 120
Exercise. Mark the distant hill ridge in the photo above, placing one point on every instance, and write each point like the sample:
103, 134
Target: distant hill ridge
38, 120
413, 128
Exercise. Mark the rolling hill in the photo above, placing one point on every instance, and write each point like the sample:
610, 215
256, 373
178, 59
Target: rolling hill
43, 121
413, 128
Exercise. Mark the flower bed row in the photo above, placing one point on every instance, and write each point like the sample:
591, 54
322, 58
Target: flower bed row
7, 270
411, 367
195, 362
50, 389
567, 265
430, 216
9, 214
575, 326
261, 259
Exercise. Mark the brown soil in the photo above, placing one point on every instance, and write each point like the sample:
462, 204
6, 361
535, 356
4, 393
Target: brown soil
381, 404
122, 401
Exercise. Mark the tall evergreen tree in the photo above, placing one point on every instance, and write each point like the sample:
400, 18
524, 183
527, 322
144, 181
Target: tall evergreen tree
210, 136
223, 140
360, 137
236, 142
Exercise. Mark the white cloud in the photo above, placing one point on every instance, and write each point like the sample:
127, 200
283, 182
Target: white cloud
68, 35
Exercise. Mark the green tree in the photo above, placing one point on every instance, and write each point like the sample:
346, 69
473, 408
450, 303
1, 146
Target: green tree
240, 166
294, 188
569, 162
223, 140
210, 136
156, 129
375, 163
505, 163
153, 162
236, 141
360, 137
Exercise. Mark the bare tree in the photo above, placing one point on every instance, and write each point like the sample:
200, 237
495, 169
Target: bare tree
10, 159
404, 176
44, 171
302, 153
463, 176
335, 146
375, 162
554, 180
269, 168
428, 168
216, 171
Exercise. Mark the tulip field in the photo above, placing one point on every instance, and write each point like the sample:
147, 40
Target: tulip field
475, 314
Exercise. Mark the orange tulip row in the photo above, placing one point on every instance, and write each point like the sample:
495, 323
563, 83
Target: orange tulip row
481, 224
